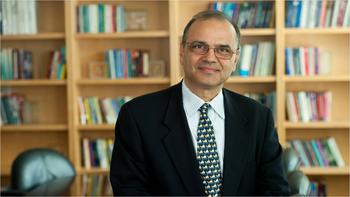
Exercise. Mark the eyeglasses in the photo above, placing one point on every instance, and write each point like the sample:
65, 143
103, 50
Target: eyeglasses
202, 48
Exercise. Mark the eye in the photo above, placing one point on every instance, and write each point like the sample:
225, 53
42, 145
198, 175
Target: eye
198, 45
224, 50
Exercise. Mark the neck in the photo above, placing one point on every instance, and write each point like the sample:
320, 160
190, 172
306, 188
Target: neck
205, 93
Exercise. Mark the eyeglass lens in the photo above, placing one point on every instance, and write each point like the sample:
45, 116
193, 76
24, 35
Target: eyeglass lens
201, 48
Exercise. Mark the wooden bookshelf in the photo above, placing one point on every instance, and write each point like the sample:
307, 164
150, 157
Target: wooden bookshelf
315, 125
33, 82
324, 31
50, 127
59, 127
270, 79
258, 32
326, 171
299, 79
94, 171
97, 127
123, 35
124, 81
35, 128
39, 36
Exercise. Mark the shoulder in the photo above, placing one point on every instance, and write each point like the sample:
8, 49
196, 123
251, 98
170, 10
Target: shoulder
152, 101
245, 105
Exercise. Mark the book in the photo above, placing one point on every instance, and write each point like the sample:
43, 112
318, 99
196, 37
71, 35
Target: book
301, 152
86, 153
336, 8
322, 151
330, 156
325, 63
246, 60
316, 153
346, 21
335, 151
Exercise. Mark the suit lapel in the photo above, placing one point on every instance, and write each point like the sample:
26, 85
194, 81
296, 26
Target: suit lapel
179, 144
236, 143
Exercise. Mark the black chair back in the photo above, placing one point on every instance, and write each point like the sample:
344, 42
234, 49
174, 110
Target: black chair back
40, 166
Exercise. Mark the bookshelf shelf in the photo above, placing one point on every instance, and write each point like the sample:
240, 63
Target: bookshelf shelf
134, 81
35, 127
39, 36
317, 125
93, 171
269, 79
326, 31
96, 127
258, 32
131, 34
326, 170
33, 82
6, 170
253, 32
302, 79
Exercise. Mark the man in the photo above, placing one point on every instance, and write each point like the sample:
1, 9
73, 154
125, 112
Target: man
196, 138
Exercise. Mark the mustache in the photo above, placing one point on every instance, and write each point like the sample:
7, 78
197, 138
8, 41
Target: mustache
205, 63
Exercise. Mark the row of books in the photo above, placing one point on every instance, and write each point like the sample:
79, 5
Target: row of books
309, 106
93, 110
317, 13
16, 64
57, 68
307, 61
96, 185
256, 59
268, 99
247, 14
317, 189
318, 152
98, 18
97, 152
15, 109
126, 63
100, 69
18, 17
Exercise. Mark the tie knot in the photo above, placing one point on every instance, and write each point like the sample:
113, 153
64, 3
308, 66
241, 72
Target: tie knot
204, 108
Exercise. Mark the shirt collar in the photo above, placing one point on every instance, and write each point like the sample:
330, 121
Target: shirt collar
192, 102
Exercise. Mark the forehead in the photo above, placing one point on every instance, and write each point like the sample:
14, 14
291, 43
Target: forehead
212, 31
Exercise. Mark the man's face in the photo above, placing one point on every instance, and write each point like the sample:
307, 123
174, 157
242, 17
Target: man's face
207, 71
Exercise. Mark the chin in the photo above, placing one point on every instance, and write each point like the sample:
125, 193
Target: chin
209, 84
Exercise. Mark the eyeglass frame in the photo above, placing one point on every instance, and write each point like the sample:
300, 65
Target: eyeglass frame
188, 44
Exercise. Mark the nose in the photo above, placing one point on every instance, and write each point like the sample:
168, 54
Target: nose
210, 55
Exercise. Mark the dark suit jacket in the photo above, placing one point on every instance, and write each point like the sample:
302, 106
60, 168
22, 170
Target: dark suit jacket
154, 154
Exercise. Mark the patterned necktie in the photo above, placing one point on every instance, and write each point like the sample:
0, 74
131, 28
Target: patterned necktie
207, 155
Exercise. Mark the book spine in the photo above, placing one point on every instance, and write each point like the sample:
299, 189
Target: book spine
246, 60
323, 153
86, 153
335, 152
299, 148
317, 153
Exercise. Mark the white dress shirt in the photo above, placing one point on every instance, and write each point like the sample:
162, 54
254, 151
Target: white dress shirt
216, 113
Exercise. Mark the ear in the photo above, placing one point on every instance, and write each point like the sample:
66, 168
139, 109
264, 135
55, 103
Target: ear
235, 61
181, 53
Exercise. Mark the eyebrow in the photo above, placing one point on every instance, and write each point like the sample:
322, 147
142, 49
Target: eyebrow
218, 45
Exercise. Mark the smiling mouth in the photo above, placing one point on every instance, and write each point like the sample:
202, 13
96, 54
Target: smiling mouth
208, 69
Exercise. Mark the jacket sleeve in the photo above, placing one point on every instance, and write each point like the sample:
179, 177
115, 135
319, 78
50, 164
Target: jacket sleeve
128, 173
271, 180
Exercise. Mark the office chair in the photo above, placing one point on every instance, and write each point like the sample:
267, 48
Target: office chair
298, 181
40, 172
